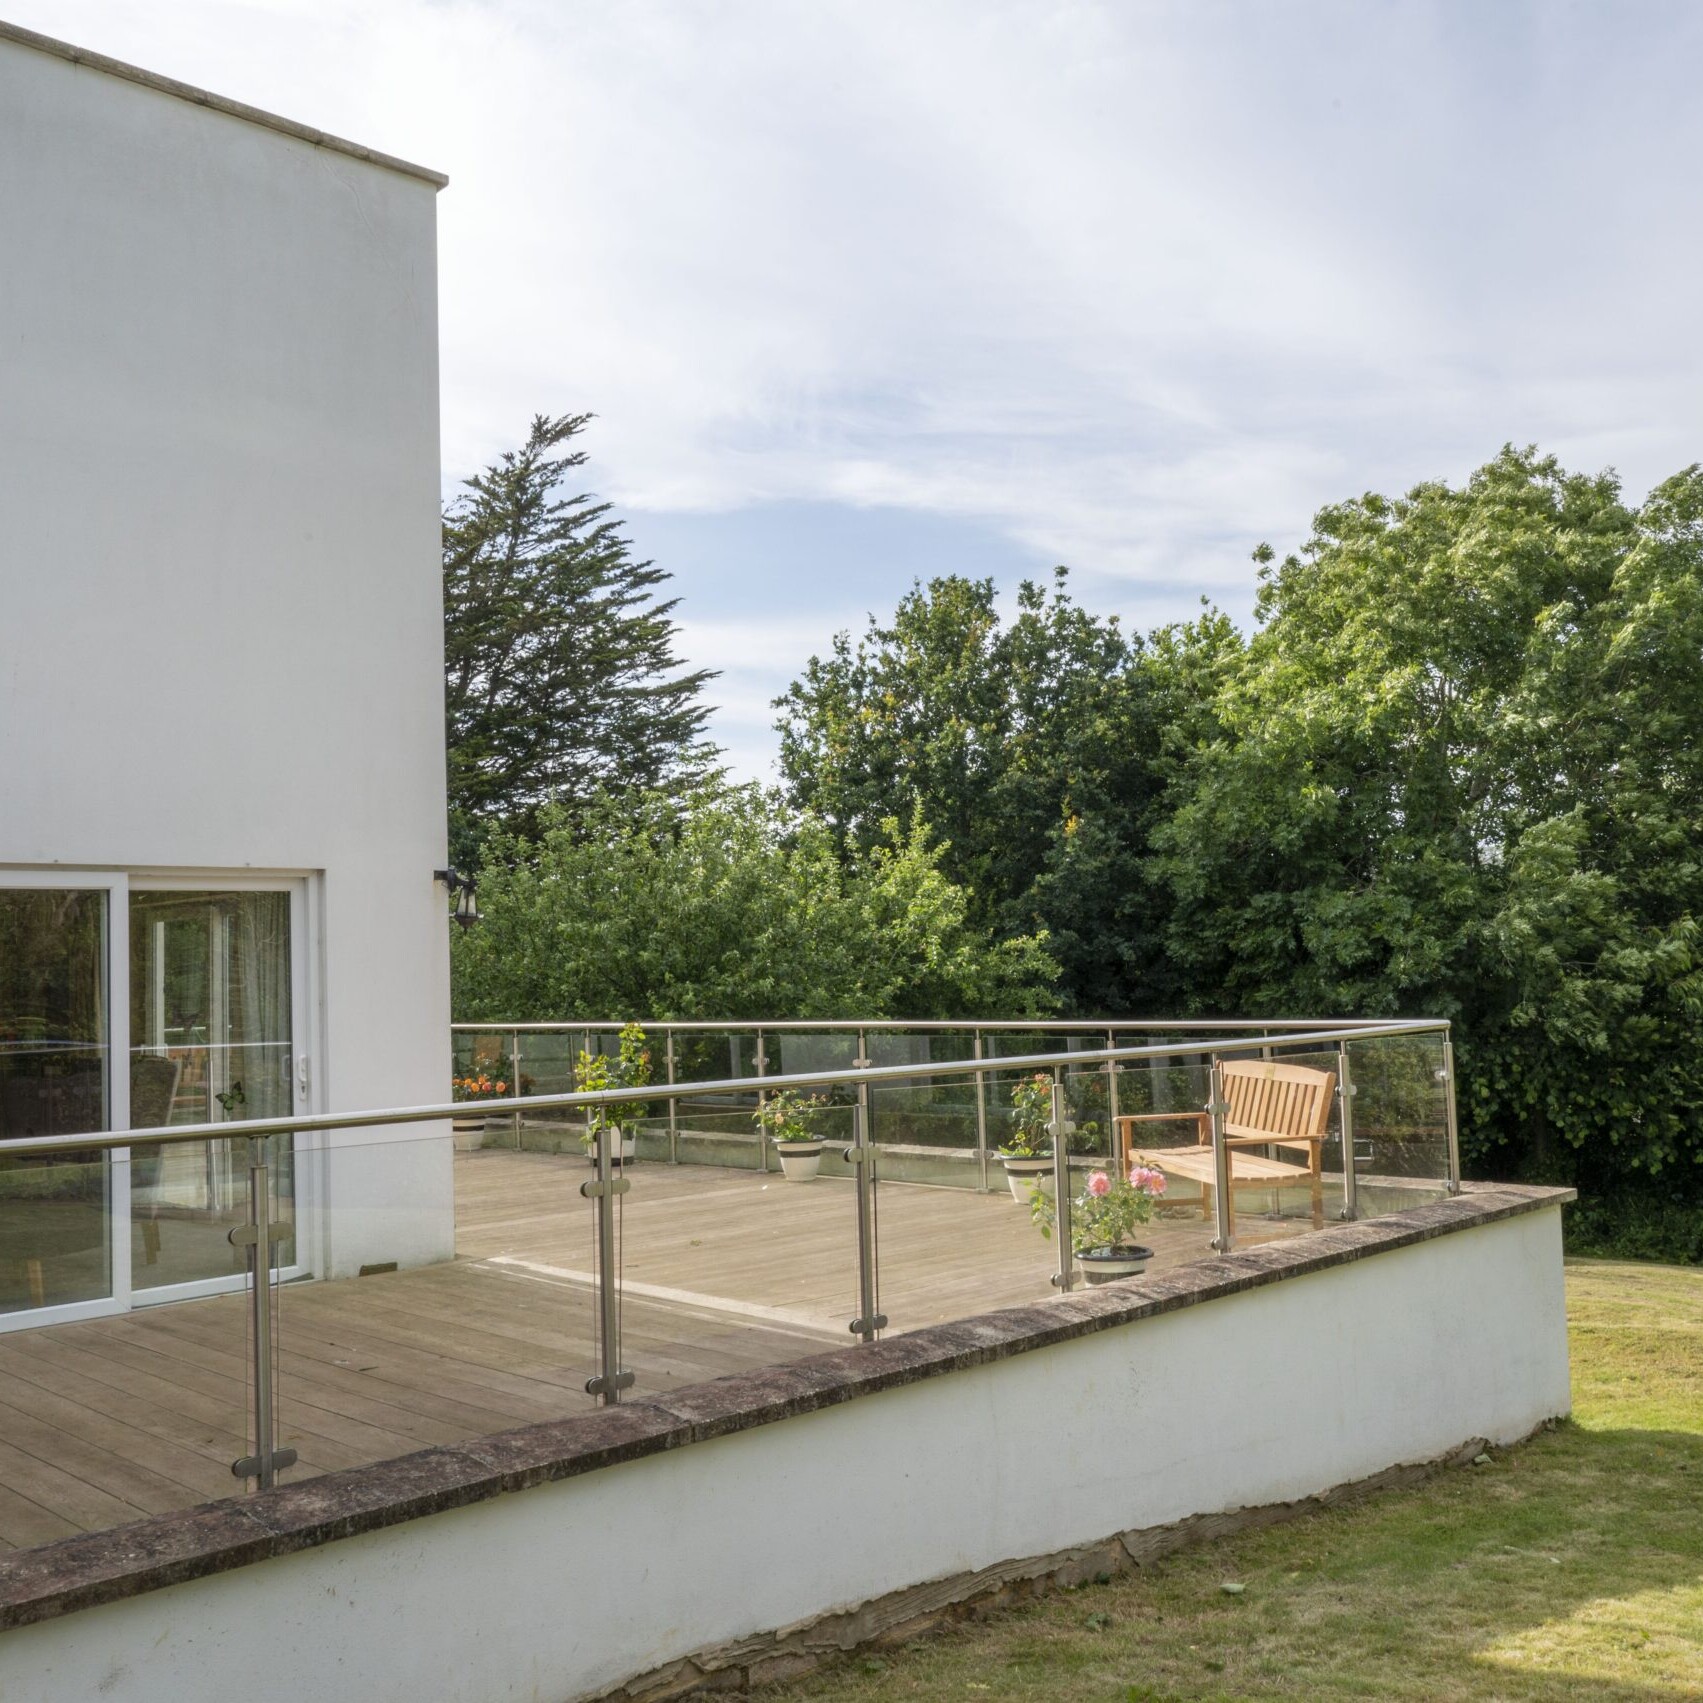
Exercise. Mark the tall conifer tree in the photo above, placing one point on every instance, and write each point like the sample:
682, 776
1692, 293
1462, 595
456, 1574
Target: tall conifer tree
560, 673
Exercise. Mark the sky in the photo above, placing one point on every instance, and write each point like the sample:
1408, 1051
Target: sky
865, 291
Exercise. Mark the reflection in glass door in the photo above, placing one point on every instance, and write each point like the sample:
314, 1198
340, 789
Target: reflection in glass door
54, 1243
210, 1042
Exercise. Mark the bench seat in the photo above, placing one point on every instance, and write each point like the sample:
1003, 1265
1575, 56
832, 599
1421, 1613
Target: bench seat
1269, 1106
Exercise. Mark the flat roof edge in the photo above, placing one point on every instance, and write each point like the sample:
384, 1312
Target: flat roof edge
218, 103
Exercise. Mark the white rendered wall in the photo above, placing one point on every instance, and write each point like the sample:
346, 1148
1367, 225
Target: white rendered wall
220, 604
1258, 1397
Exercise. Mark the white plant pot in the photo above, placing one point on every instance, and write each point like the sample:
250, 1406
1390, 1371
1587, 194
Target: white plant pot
1021, 1175
627, 1148
800, 1160
1107, 1265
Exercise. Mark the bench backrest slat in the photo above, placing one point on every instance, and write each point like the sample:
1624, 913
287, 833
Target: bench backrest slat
1268, 1098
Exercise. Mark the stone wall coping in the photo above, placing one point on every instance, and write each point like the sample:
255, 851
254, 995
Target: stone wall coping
168, 1549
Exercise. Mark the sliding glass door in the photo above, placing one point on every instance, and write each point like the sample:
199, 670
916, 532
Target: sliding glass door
137, 1003
211, 1041
55, 1038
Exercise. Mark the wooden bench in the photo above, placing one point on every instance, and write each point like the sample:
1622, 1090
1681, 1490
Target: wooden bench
1273, 1106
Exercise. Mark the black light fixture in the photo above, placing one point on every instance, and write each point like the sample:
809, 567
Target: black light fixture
465, 900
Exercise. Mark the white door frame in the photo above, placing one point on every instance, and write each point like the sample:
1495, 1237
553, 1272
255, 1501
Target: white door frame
303, 1052
306, 1050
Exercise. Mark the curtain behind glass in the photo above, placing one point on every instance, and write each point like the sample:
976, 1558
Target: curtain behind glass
211, 1043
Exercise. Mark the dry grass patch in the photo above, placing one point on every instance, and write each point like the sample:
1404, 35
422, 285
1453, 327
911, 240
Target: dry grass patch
1572, 1566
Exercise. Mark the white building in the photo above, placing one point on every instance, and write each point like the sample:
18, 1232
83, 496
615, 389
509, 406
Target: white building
221, 689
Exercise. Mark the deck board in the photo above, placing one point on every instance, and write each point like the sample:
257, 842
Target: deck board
110, 1420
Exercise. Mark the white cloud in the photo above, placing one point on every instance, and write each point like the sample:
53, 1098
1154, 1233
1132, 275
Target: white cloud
1137, 285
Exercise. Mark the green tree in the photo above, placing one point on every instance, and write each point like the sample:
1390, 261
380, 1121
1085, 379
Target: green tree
1039, 750
560, 673
1455, 775
725, 904
915, 715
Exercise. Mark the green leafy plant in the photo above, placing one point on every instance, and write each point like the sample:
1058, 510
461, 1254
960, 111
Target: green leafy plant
629, 1068
784, 1116
1107, 1211
1031, 1130
725, 902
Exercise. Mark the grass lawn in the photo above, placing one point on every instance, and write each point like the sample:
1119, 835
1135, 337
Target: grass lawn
1571, 1567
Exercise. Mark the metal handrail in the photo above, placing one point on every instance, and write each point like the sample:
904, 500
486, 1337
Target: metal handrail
933, 1025
101, 1140
258, 1237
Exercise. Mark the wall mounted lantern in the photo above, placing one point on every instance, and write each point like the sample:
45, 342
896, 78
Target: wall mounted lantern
463, 896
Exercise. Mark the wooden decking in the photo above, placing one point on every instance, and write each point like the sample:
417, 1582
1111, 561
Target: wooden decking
109, 1420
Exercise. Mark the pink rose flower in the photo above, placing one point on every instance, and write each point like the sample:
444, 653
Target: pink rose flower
1142, 1177
1099, 1183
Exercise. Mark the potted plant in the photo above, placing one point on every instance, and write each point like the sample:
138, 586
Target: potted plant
1027, 1152
630, 1068
1103, 1221
476, 1086
782, 1117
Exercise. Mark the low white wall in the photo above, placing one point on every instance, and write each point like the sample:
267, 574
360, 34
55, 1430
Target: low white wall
1257, 1397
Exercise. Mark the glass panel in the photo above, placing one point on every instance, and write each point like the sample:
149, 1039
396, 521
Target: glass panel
54, 1214
717, 1129
210, 1043
1401, 1142
724, 1269
1277, 1193
547, 1059
389, 1344
110, 1420
1160, 1103
473, 1052
950, 1253
926, 1127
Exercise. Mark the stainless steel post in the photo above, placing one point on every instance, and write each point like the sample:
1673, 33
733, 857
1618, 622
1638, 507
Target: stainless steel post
611, 1377
981, 1122
1061, 1188
762, 1066
1350, 1174
1112, 1098
869, 1318
1449, 1114
673, 1109
585, 1052
514, 1079
258, 1236
1219, 1107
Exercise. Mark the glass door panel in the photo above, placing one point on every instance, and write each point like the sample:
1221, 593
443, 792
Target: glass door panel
210, 1042
54, 1209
